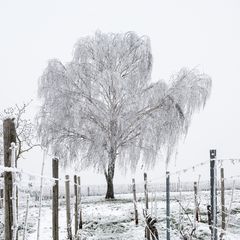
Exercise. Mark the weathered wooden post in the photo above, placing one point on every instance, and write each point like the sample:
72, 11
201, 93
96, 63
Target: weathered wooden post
196, 202
55, 200
223, 204
80, 203
88, 191
213, 185
146, 190
14, 191
9, 136
68, 207
135, 201
168, 204
76, 204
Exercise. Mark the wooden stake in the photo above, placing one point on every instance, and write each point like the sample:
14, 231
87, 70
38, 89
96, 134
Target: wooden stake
68, 207
168, 204
146, 190
223, 204
213, 183
55, 200
14, 192
9, 136
196, 210
135, 201
40, 200
76, 204
80, 203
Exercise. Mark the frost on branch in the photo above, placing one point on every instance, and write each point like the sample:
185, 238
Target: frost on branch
102, 107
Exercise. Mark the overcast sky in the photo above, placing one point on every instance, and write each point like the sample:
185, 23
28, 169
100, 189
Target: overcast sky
202, 34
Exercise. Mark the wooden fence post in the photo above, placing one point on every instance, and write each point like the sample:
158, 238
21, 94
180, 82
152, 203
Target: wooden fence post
213, 184
146, 190
135, 201
80, 203
196, 210
76, 203
14, 192
168, 204
223, 204
68, 207
9, 136
55, 201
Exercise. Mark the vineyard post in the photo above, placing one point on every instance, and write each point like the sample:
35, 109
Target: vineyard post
80, 203
168, 204
9, 136
76, 203
196, 210
146, 190
68, 207
55, 201
213, 184
223, 204
135, 201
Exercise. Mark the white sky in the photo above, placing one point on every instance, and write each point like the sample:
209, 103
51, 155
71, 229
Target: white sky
203, 34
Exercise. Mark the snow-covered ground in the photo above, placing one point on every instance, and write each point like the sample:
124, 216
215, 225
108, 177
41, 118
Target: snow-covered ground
115, 219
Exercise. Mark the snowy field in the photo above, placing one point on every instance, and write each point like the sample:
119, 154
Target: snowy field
115, 219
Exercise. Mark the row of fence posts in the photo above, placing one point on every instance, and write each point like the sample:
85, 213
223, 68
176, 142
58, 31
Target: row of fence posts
10, 193
78, 222
213, 199
10, 201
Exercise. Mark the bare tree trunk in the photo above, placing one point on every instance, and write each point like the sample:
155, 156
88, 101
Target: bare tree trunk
110, 189
110, 174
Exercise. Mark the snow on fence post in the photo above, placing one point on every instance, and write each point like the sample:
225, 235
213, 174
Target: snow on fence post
223, 204
55, 200
146, 190
26, 220
135, 201
80, 203
213, 184
9, 136
76, 204
40, 197
196, 207
68, 207
168, 204
14, 191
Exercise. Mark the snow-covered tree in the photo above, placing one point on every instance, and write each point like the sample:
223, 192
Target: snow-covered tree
103, 108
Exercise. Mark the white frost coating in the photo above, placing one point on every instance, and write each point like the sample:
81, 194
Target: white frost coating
14, 192
103, 108
40, 197
26, 220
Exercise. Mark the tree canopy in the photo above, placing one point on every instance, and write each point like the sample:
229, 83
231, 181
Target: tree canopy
104, 105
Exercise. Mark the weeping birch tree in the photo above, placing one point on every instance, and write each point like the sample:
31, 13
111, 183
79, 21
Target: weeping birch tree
103, 108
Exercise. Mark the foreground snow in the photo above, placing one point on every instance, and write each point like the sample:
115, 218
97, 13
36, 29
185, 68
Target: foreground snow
115, 219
